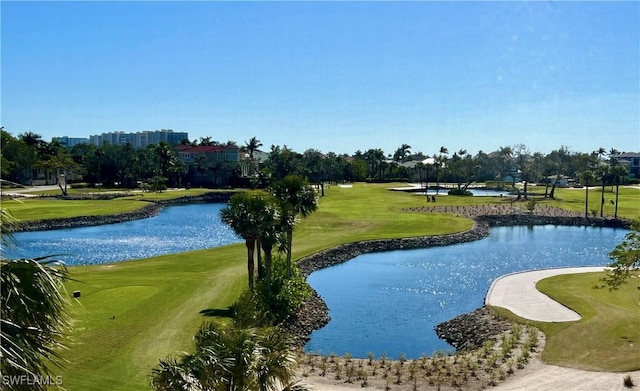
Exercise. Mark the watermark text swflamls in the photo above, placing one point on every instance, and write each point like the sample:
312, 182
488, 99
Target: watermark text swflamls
26, 380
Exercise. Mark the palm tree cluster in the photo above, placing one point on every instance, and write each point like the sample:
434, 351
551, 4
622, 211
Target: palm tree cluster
251, 353
265, 219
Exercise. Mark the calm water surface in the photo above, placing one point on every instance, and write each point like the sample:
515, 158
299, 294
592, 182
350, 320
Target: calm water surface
175, 229
390, 302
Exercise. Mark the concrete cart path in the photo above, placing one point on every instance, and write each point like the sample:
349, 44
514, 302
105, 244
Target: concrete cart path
517, 292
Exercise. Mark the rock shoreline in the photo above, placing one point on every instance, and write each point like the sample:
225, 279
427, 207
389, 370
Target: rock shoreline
467, 331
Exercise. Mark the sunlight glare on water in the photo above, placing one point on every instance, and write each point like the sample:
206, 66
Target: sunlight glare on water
390, 302
175, 229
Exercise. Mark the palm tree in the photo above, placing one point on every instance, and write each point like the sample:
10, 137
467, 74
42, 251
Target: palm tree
296, 197
586, 177
245, 214
440, 162
618, 174
252, 146
231, 359
33, 313
604, 175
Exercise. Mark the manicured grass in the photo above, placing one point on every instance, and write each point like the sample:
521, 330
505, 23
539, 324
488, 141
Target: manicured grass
608, 335
131, 314
628, 201
29, 209
156, 301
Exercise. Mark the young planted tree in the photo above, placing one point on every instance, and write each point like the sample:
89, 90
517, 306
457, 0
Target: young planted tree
626, 256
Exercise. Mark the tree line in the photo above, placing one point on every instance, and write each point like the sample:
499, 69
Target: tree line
27, 155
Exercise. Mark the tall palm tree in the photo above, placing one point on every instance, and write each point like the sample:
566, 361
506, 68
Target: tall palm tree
252, 145
618, 173
439, 164
297, 198
586, 177
230, 359
245, 214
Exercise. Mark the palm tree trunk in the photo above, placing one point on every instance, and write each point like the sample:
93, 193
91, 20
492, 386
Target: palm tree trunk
289, 246
259, 259
268, 257
602, 199
586, 201
615, 215
251, 244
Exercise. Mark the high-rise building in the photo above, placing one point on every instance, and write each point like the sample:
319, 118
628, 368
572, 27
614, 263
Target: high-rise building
140, 139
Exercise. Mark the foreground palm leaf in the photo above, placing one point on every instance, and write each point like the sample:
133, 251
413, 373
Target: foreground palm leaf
33, 316
231, 359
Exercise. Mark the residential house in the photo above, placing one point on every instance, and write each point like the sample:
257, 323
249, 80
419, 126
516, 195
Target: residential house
210, 165
631, 160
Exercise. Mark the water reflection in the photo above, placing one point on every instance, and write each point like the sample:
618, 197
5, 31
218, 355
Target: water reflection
175, 229
390, 302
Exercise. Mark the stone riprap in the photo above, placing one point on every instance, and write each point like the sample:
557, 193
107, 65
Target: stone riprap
470, 331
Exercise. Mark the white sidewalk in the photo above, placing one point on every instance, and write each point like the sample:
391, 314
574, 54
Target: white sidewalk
517, 292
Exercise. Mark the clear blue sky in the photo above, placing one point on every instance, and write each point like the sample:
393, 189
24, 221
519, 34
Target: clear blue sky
331, 76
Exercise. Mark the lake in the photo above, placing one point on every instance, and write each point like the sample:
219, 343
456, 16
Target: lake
175, 229
390, 302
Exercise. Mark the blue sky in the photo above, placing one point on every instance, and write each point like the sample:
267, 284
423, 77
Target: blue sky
333, 76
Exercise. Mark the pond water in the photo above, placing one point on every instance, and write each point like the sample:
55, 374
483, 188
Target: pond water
174, 229
475, 192
390, 302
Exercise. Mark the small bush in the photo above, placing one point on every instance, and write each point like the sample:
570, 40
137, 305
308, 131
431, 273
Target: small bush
460, 192
272, 301
628, 382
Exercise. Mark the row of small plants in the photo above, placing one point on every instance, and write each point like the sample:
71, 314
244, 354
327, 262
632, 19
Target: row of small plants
485, 367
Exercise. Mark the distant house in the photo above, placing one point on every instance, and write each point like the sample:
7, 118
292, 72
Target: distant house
631, 160
209, 165
563, 181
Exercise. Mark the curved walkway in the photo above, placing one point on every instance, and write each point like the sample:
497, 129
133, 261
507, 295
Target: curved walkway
517, 292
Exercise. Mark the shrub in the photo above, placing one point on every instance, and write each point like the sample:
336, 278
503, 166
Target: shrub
273, 301
460, 192
628, 382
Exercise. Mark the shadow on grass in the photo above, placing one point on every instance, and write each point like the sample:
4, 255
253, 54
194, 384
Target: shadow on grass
218, 312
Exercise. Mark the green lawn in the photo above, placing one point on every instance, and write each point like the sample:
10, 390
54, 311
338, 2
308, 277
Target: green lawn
608, 335
156, 302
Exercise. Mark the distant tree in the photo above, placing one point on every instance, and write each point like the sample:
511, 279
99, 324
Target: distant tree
440, 163
401, 154
297, 198
586, 178
252, 146
619, 175
626, 257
